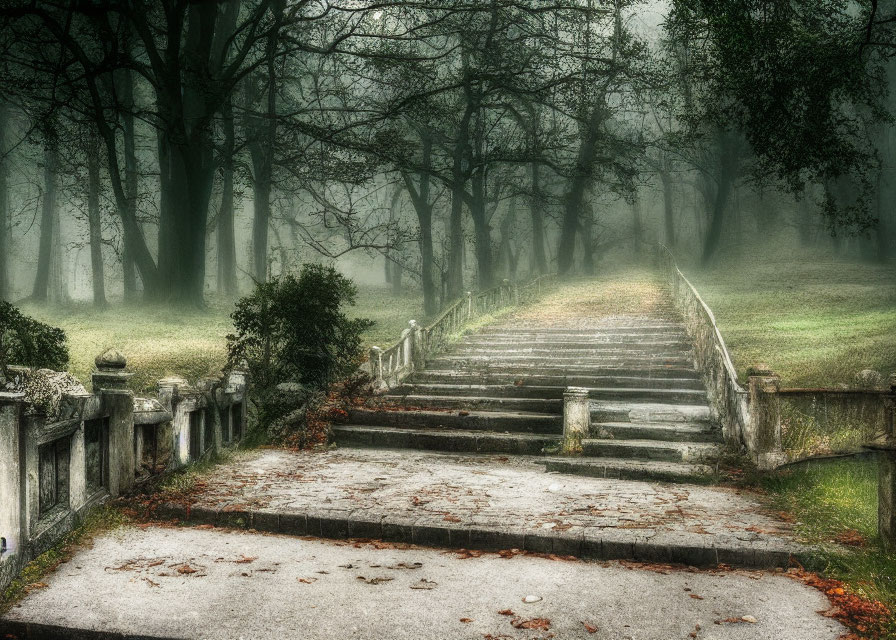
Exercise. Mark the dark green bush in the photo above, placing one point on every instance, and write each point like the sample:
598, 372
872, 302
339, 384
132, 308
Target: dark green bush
293, 332
25, 341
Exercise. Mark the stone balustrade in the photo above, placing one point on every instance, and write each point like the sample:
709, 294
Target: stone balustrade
76, 449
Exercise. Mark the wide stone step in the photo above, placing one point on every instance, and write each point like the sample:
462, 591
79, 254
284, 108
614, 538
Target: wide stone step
672, 431
587, 339
577, 346
516, 421
688, 379
597, 352
623, 469
635, 326
650, 450
649, 412
457, 440
689, 396
480, 403
558, 361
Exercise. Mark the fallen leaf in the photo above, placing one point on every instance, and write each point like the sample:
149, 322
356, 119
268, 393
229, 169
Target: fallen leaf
590, 628
466, 620
424, 584
186, 569
540, 624
307, 580
506, 612
246, 560
377, 580
695, 596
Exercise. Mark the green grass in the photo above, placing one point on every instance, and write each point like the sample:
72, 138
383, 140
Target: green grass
832, 497
814, 319
161, 341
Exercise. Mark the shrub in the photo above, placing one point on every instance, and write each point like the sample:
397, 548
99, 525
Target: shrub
27, 342
293, 332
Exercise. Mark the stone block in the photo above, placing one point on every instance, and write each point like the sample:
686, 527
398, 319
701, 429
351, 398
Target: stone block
539, 542
266, 521
334, 525
430, 534
568, 543
398, 530
294, 524
365, 526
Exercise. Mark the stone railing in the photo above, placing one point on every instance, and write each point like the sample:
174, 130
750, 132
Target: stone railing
741, 411
388, 367
73, 449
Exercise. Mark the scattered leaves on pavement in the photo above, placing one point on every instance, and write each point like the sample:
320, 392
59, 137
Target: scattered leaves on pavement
539, 624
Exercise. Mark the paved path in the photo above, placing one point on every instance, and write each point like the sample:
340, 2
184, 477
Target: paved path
487, 502
193, 583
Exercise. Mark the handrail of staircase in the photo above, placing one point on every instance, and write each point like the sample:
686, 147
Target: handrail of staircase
729, 397
388, 367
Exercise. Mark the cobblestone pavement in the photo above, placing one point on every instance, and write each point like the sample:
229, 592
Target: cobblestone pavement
513, 495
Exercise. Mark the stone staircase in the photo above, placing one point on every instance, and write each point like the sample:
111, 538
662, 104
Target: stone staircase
500, 391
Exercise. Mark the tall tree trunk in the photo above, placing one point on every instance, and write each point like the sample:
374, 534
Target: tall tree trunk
423, 208
637, 227
95, 224
668, 209
124, 82
536, 209
4, 203
41, 290
574, 200
482, 230
728, 164
226, 238
586, 231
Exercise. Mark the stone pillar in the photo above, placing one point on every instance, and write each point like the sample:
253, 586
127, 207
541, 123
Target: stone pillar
376, 369
12, 499
576, 419
469, 304
764, 439
77, 470
117, 401
407, 348
169, 396
886, 480
418, 355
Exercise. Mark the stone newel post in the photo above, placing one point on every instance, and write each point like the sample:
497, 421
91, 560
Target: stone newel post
886, 482
110, 383
417, 355
576, 419
764, 439
376, 369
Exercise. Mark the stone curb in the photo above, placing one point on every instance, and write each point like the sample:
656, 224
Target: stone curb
431, 531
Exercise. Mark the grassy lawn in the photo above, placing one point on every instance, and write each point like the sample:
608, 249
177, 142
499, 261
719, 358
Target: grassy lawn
814, 319
160, 341
835, 501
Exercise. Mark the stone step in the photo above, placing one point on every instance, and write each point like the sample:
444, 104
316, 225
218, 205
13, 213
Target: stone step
500, 421
457, 440
585, 340
650, 450
688, 396
612, 411
634, 350
634, 343
616, 328
558, 361
626, 469
654, 379
668, 432
553, 406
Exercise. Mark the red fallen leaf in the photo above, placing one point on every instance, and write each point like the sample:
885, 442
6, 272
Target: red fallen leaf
186, 569
246, 560
307, 580
506, 612
466, 620
851, 538
695, 596
540, 624
590, 628
465, 554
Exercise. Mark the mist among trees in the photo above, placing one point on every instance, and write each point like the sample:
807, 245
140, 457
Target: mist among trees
169, 151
